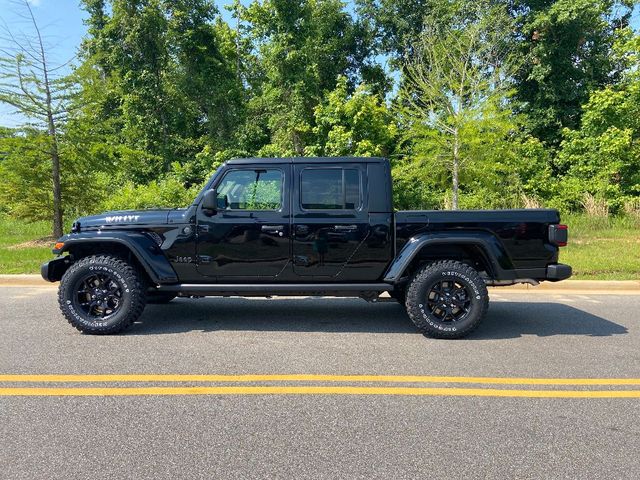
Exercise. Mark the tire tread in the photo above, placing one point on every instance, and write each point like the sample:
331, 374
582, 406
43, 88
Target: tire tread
416, 283
137, 290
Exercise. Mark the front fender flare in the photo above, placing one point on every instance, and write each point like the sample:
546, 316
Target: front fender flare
490, 246
146, 251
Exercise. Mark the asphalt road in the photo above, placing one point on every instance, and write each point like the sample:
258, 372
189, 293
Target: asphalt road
442, 429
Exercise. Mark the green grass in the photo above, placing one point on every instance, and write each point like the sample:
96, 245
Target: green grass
16, 255
603, 248
599, 248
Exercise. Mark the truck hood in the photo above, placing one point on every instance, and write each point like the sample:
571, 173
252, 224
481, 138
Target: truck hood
121, 218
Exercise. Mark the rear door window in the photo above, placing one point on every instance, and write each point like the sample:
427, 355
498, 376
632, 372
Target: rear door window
330, 189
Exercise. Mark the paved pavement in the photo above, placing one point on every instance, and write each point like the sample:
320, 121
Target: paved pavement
631, 287
421, 415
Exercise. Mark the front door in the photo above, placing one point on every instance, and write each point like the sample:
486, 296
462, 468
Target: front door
330, 221
250, 238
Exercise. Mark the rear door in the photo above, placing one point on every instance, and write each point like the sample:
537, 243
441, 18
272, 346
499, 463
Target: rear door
330, 220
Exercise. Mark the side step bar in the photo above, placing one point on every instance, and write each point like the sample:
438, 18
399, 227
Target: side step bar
273, 289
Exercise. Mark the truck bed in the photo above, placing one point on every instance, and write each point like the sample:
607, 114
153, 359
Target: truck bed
522, 233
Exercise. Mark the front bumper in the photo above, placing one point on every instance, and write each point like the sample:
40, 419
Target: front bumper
558, 271
53, 270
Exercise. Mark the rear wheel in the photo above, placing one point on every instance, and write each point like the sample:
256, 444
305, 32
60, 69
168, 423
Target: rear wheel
447, 299
101, 294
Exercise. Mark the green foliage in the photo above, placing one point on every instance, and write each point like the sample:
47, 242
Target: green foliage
456, 89
264, 195
161, 77
568, 49
25, 178
396, 23
25, 175
166, 91
300, 49
602, 157
169, 193
359, 124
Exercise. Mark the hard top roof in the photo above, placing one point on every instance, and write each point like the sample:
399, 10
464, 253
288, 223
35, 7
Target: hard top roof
243, 161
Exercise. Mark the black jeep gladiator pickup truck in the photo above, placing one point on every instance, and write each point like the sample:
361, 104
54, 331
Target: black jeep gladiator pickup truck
302, 226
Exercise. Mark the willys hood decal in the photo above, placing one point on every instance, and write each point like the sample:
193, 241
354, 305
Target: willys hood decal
126, 217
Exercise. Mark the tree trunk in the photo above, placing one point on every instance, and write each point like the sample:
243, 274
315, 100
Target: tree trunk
55, 159
297, 144
55, 167
51, 127
57, 194
455, 170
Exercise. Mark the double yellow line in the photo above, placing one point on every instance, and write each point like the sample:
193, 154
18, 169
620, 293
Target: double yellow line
387, 385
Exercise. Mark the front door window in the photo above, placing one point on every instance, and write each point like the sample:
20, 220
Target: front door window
252, 189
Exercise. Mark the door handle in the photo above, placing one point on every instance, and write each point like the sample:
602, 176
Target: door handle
272, 228
345, 228
302, 229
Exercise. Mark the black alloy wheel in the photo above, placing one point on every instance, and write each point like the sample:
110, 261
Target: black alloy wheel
99, 296
447, 299
102, 294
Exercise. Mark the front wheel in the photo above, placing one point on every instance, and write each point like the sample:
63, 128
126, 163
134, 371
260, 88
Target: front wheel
447, 299
101, 294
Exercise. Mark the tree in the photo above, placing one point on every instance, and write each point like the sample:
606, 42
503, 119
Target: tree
397, 23
300, 49
456, 85
25, 176
167, 87
567, 45
601, 158
359, 124
131, 96
32, 85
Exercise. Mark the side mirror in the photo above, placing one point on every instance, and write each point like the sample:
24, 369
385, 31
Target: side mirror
209, 202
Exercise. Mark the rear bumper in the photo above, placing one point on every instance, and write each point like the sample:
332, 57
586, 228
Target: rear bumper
52, 271
558, 271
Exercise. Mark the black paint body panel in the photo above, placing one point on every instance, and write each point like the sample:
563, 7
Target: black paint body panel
296, 246
517, 239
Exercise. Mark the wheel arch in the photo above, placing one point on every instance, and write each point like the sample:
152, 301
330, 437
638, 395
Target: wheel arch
481, 250
138, 248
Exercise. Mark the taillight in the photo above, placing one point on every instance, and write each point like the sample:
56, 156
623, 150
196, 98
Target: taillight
559, 234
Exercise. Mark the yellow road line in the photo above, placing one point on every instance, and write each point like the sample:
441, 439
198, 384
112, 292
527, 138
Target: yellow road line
271, 390
318, 378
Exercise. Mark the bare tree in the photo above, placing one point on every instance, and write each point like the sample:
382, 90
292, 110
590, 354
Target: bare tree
456, 82
38, 90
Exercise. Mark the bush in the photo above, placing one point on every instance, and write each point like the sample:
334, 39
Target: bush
602, 158
168, 193
25, 179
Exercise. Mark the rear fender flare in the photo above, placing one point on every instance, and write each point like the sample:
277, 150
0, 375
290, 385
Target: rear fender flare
492, 249
141, 246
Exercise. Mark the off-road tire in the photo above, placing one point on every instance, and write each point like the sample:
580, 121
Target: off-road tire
131, 303
159, 298
420, 287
